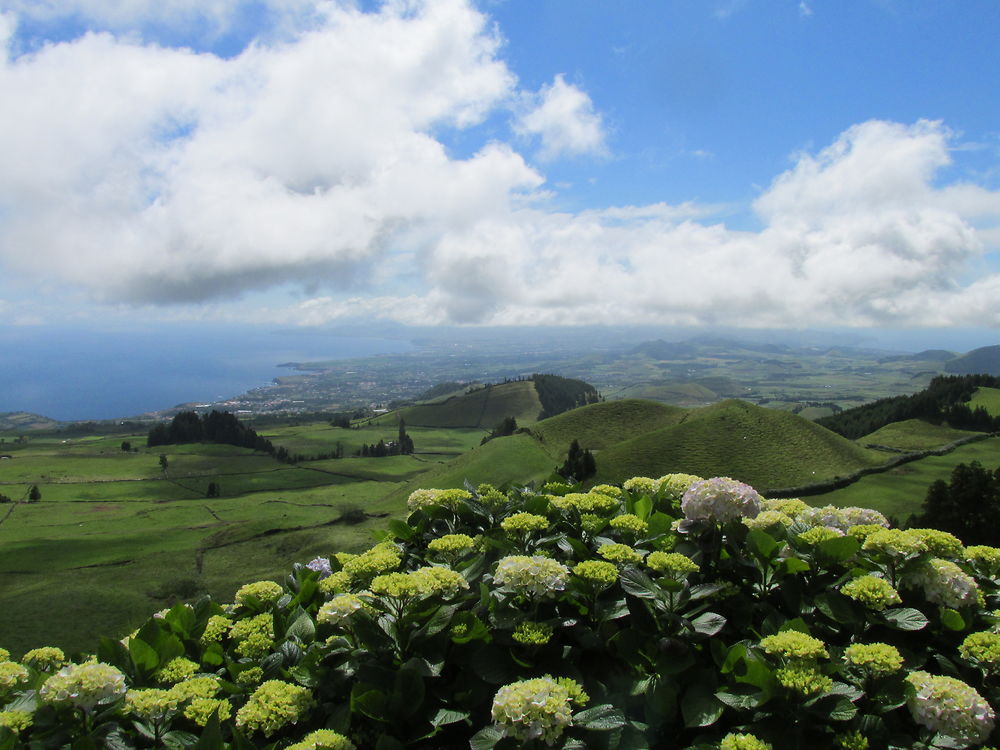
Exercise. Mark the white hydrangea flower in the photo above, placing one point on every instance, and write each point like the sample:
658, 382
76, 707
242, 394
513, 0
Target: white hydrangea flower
536, 709
84, 685
721, 500
946, 584
950, 706
338, 609
535, 575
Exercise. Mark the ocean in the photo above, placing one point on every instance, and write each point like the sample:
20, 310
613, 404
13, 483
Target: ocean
70, 373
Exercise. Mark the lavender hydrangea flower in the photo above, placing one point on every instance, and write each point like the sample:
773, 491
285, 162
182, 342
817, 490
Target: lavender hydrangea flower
321, 565
720, 500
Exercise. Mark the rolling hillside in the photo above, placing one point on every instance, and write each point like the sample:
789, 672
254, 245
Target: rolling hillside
602, 426
482, 408
913, 435
764, 447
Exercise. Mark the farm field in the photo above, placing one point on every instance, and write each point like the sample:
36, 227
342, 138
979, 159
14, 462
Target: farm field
115, 537
900, 491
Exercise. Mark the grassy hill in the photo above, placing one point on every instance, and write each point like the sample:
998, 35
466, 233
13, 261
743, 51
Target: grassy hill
764, 447
988, 398
601, 426
483, 408
985, 360
913, 435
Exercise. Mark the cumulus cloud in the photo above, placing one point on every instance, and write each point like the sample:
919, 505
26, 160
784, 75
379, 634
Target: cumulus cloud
562, 116
149, 174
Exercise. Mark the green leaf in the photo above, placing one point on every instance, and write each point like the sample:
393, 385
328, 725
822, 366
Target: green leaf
793, 565
448, 716
952, 619
485, 739
369, 702
839, 549
177, 738
643, 507
905, 618
401, 529
637, 583
708, 623
842, 710
302, 627
762, 544
659, 523
700, 707
601, 718
744, 697
837, 607
143, 655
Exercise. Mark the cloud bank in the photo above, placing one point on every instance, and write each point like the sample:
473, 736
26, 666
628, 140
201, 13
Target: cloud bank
147, 174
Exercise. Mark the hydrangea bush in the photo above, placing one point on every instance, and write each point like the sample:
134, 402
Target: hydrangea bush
669, 613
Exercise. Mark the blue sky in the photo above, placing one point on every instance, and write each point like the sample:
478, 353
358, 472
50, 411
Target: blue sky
687, 162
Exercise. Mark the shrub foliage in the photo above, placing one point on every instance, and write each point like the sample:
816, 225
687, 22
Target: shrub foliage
669, 613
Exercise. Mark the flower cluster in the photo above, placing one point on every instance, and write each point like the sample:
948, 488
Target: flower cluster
524, 523
941, 543
877, 658
946, 584
151, 704
265, 592
894, 544
874, 592
379, 559
984, 648
672, 564
720, 500
254, 636
11, 673
176, 670
986, 558
84, 685
619, 553
585, 502
452, 544
767, 519
533, 633
840, 518
949, 706
793, 645
44, 659
325, 739
535, 709
272, 706
536, 576
16, 721
338, 609
742, 741
597, 572
630, 524
420, 499
671, 487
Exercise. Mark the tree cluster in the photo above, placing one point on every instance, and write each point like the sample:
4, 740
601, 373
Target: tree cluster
559, 394
579, 465
967, 506
401, 446
507, 426
944, 400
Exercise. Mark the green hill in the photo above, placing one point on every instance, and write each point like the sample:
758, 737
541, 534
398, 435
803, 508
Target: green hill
985, 360
763, 447
913, 435
987, 398
482, 408
601, 426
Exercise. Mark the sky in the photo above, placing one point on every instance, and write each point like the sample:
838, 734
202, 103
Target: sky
755, 163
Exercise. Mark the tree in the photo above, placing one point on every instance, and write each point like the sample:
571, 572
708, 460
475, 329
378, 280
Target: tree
213, 490
580, 463
968, 506
163, 462
34, 494
126, 446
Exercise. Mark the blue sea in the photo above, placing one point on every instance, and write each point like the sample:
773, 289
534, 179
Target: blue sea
77, 374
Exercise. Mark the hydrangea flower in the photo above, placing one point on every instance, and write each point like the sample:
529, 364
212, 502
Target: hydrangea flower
819, 534
16, 721
870, 590
453, 544
894, 543
84, 685
878, 658
266, 592
946, 584
323, 738
433, 580
524, 523
196, 687
671, 487
536, 576
250, 676
272, 706
982, 647
742, 741
841, 518
379, 559
597, 572
176, 670
630, 524
335, 583
151, 704
585, 502
608, 489
420, 499
532, 633
200, 710
862, 531
640, 485
672, 564
619, 553
790, 506
321, 565
254, 635
591, 523
941, 543
986, 558
793, 645
338, 609
805, 680
852, 741
216, 629
535, 709
11, 673
44, 659
720, 500
949, 706
767, 519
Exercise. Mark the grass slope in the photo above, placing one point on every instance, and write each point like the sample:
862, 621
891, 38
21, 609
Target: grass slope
600, 426
914, 435
766, 448
483, 408
988, 398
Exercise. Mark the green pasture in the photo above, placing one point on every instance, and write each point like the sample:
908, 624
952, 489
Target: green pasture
988, 398
914, 435
484, 408
900, 491
602, 425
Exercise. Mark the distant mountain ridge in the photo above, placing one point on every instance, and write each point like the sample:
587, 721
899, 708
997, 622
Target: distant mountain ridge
985, 360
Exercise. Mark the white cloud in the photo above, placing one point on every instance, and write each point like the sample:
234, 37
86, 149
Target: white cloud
563, 117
